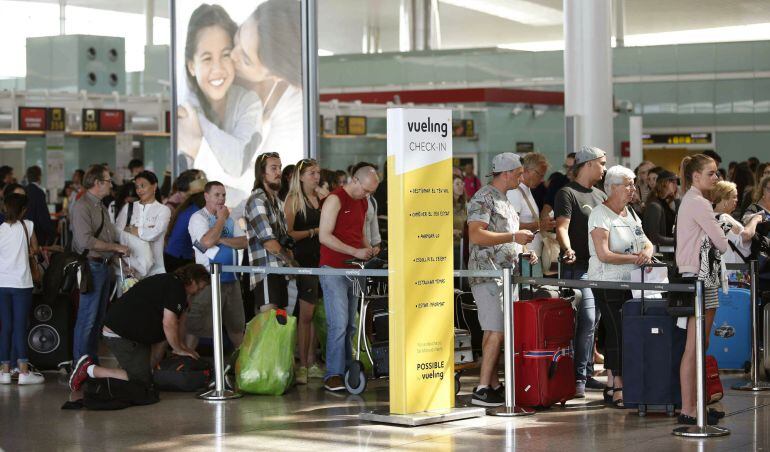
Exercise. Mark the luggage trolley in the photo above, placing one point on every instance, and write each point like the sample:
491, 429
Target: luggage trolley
371, 290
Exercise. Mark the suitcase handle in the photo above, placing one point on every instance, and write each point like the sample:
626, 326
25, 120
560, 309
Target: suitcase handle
654, 264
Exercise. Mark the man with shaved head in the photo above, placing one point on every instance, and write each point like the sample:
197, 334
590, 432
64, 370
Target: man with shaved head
342, 237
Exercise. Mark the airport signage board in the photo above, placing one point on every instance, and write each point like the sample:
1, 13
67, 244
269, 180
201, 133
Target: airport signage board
421, 303
463, 128
677, 138
103, 120
42, 119
351, 125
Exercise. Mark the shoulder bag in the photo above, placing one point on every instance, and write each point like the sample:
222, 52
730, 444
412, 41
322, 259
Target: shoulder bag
34, 266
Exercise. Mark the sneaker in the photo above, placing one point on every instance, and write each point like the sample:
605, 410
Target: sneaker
595, 385
5, 378
334, 384
31, 378
15, 374
300, 375
580, 389
500, 390
80, 372
315, 371
487, 397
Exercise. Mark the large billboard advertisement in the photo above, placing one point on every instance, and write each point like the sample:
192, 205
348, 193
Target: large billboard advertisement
238, 87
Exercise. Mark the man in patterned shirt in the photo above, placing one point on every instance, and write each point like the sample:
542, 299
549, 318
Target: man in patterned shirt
493, 229
266, 225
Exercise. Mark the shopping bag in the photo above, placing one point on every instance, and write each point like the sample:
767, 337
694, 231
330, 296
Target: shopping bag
321, 330
655, 275
265, 364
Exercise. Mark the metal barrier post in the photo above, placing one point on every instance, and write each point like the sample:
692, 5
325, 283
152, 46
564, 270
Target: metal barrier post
701, 430
219, 392
509, 349
753, 384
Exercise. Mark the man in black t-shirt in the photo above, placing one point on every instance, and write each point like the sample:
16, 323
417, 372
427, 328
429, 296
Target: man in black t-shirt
140, 324
572, 206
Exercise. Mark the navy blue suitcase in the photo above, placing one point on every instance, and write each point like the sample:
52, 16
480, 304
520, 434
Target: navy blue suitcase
652, 351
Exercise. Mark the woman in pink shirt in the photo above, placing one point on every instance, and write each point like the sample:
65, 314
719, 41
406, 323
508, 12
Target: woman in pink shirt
698, 236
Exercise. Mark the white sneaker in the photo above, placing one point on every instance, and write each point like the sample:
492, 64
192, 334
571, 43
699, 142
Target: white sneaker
31, 378
5, 378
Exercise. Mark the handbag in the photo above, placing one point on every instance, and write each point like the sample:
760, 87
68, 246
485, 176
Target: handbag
681, 304
34, 266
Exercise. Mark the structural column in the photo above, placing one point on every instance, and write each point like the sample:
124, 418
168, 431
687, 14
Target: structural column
588, 72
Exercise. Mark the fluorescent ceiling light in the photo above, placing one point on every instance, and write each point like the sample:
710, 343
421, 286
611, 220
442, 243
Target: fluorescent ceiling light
521, 11
324, 52
753, 32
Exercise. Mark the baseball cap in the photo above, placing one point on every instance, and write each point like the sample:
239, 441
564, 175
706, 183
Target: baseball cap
588, 153
505, 162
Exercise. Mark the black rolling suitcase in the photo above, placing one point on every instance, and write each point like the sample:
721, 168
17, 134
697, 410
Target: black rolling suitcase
652, 350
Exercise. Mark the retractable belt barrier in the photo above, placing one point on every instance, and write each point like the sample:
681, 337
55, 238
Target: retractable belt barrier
506, 274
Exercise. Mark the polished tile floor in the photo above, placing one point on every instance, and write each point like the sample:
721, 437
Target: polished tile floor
309, 419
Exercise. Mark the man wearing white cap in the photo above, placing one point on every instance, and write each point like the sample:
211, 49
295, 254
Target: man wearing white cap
493, 229
572, 207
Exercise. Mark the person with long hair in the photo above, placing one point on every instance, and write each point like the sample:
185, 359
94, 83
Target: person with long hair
303, 217
286, 176
659, 213
218, 113
761, 206
700, 240
147, 218
266, 231
744, 183
17, 242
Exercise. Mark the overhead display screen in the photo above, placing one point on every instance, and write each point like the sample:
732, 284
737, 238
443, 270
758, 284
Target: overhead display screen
41, 119
101, 120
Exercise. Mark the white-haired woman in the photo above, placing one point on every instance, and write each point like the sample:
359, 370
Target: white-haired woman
617, 247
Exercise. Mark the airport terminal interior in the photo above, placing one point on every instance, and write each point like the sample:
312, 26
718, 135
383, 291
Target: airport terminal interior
385, 224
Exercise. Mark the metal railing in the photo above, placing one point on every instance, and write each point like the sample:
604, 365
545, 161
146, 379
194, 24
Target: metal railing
506, 274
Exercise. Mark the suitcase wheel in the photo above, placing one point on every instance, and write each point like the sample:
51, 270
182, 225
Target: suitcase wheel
457, 382
563, 403
670, 411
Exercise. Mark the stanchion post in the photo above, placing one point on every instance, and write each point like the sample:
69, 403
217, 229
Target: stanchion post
509, 349
219, 392
753, 384
701, 430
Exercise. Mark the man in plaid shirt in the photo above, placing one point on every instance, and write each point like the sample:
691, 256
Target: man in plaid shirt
266, 224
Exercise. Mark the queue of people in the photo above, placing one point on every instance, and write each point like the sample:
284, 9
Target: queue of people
603, 223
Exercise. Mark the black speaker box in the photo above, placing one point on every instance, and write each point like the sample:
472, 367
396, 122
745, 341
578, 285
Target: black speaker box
49, 340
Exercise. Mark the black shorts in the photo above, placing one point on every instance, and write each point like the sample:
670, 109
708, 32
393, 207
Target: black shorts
277, 289
307, 288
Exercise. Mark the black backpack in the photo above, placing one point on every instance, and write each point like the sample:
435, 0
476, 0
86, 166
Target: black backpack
181, 373
115, 394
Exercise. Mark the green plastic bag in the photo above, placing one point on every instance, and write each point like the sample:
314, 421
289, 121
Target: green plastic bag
265, 363
319, 323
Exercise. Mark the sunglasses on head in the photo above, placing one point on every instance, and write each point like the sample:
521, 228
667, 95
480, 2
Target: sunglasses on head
267, 155
304, 163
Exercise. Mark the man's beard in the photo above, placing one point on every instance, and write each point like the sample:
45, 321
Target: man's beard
274, 186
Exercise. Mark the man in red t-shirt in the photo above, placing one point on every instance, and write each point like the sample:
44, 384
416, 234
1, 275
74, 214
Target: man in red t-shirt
342, 237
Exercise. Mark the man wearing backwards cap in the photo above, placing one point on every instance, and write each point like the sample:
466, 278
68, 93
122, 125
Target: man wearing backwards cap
573, 204
493, 227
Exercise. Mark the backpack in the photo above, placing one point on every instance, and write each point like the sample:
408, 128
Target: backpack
181, 373
115, 394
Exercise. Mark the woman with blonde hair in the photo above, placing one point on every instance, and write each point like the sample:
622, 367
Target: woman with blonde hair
724, 198
303, 217
700, 241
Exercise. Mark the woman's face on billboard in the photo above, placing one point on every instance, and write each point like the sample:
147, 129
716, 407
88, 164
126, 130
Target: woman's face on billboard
247, 63
212, 65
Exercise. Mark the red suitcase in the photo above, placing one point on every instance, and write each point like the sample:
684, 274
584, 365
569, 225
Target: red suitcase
544, 360
713, 383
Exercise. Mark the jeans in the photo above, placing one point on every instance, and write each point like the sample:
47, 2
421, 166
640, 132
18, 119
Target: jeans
587, 320
91, 311
341, 304
15, 305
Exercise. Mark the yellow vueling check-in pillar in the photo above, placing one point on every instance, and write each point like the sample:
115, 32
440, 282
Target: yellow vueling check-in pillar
420, 260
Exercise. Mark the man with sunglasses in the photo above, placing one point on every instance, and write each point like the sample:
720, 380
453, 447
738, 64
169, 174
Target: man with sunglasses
342, 237
95, 235
267, 233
